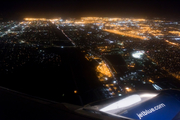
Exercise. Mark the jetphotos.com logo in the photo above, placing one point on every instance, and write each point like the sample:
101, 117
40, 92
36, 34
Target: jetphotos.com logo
151, 110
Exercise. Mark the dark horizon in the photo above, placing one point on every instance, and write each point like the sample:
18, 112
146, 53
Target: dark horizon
79, 8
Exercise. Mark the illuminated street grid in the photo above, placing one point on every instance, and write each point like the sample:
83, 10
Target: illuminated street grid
152, 36
149, 47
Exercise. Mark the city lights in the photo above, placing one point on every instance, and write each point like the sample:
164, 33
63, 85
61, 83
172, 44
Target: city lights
42, 19
151, 81
34, 19
102, 68
113, 59
108, 36
127, 34
138, 54
128, 89
75, 91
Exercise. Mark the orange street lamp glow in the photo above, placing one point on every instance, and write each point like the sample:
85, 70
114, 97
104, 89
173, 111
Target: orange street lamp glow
75, 91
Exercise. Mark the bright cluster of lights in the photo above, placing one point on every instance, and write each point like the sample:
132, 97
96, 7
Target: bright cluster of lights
109, 19
42, 19
53, 20
90, 18
33, 19
102, 68
137, 20
140, 33
138, 54
79, 22
128, 89
119, 26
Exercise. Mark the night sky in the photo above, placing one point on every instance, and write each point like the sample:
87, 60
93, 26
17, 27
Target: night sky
78, 8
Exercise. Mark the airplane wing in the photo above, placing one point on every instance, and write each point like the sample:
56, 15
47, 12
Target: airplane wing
18, 106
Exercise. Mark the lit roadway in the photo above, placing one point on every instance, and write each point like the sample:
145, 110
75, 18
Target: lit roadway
67, 36
126, 34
